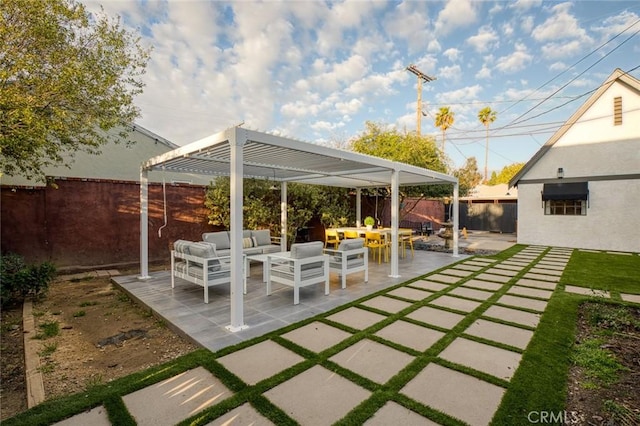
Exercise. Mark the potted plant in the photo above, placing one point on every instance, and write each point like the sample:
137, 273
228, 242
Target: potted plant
369, 222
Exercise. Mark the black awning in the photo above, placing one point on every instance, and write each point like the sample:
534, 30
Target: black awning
565, 191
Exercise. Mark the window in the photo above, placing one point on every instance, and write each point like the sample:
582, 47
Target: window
565, 198
617, 111
565, 207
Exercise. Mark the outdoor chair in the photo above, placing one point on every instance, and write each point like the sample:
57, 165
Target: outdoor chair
331, 237
350, 257
349, 234
405, 238
304, 265
377, 243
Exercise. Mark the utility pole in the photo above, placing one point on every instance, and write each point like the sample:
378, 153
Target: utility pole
421, 77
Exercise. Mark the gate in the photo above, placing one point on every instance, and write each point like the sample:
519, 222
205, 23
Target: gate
493, 217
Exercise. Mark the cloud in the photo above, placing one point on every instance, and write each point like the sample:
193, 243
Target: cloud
516, 61
558, 66
456, 14
524, 5
561, 25
562, 50
453, 54
486, 39
484, 73
455, 96
616, 24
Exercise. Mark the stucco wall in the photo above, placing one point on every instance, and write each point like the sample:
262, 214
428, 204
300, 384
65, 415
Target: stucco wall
87, 223
612, 222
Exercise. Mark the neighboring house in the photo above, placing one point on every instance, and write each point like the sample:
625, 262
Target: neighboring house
490, 208
91, 216
582, 188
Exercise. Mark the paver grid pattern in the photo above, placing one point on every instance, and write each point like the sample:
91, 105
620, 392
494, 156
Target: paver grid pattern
344, 357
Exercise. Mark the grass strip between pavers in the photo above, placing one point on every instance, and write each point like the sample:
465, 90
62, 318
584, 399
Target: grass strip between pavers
539, 384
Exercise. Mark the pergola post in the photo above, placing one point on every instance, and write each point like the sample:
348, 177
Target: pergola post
237, 140
358, 207
144, 224
395, 208
456, 220
283, 217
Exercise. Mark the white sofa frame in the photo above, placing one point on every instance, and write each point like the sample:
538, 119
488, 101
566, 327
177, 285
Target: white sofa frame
283, 269
210, 279
339, 262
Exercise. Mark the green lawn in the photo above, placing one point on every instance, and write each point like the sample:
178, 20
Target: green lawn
538, 385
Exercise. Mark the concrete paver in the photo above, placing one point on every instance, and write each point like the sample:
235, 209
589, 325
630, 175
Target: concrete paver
467, 267
429, 285
317, 336
94, 417
541, 277
513, 315
634, 298
545, 271
512, 336
260, 361
493, 277
509, 266
531, 292
502, 271
471, 293
356, 318
444, 278
456, 272
386, 304
484, 285
373, 360
455, 303
410, 335
317, 396
528, 282
409, 293
523, 302
498, 362
393, 413
243, 415
175, 399
456, 394
439, 317
586, 291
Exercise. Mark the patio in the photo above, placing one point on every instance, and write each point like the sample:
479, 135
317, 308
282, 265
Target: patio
183, 310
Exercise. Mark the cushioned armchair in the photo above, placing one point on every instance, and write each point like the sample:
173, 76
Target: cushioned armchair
190, 260
350, 257
304, 265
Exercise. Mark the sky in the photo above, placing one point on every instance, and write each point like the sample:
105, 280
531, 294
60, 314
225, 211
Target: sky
318, 71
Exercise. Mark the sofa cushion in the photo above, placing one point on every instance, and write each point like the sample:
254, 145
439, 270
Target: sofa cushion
246, 233
182, 246
350, 244
262, 236
220, 239
249, 242
206, 250
304, 250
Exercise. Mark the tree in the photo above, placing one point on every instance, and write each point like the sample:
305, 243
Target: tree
444, 120
66, 78
468, 176
409, 148
486, 117
505, 174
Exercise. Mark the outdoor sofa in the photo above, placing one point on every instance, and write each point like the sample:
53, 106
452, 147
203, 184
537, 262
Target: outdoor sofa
253, 242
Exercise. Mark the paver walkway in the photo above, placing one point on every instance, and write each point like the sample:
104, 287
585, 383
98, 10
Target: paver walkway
447, 346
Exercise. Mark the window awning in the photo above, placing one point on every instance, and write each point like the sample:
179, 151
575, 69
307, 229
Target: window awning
565, 191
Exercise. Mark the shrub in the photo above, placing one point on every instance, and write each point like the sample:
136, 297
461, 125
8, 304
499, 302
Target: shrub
19, 280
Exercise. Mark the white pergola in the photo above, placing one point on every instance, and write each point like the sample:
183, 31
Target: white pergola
239, 153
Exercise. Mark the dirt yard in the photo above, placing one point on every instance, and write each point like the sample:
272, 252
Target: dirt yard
102, 335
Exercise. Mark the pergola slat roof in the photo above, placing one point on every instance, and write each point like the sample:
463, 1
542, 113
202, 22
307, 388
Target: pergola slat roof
286, 160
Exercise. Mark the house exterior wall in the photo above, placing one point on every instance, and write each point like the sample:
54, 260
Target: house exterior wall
606, 156
610, 223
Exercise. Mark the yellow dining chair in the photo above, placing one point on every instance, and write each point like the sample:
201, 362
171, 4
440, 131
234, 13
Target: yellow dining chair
351, 234
331, 237
405, 237
376, 242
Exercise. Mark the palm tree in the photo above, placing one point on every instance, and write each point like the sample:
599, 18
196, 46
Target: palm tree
444, 120
486, 117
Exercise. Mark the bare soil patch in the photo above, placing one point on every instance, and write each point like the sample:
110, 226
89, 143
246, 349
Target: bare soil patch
102, 336
619, 403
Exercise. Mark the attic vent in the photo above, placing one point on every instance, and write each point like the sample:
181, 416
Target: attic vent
617, 111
